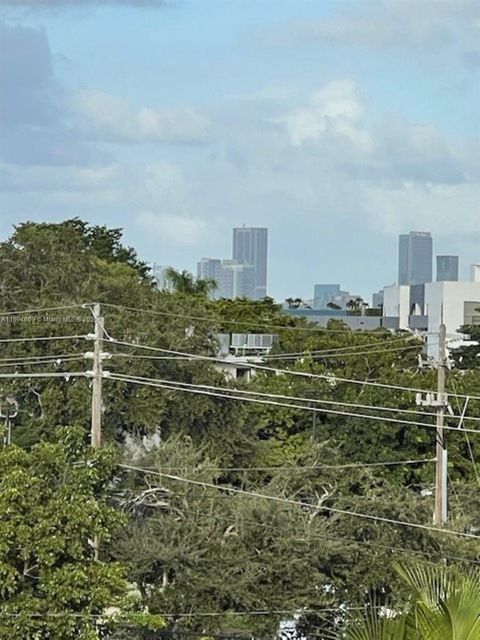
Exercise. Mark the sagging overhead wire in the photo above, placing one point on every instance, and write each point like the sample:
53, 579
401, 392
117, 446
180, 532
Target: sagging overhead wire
307, 505
176, 387
4, 314
309, 400
216, 320
64, 374
330, 377
322, 356
352, 347
302, 469
44, 339
48, 361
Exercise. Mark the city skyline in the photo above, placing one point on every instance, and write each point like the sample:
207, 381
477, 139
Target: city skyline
415, 266
245, 273
296, 116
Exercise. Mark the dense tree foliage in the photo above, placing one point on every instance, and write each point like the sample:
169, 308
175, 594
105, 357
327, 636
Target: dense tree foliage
53, 502
210, 548
467, 357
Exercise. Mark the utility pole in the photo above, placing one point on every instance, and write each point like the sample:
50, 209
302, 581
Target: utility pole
440, 516
8, 410
96, 432
96, 429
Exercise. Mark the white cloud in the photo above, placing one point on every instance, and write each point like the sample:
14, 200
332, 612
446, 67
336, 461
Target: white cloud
336, 125
334, 109
114, 119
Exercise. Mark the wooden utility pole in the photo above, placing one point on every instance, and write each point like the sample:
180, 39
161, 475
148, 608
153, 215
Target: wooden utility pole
440, 516
96, 432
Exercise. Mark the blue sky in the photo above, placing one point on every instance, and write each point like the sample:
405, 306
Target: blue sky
336, 124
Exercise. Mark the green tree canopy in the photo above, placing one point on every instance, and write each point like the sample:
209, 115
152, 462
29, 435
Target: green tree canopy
53, 502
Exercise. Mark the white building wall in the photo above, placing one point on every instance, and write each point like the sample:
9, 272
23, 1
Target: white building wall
444, 302
475, 273
396, 304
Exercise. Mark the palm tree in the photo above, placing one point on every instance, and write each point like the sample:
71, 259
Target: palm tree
444, 605
184, 282
446, 602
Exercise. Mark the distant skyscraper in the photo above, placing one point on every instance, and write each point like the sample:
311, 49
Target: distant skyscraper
415, 254
323, 294
447, 268
211, 269
250, 247
236, 280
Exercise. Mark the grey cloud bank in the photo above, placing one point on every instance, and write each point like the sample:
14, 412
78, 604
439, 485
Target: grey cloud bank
34, 123
409, 26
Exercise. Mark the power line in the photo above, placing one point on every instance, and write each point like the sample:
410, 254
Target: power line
28, 358
41, 310
122, 378
217, 320
320, 356
338, 349
292, 356
44, 339
467, 439
135, 356
346, 351
63, 374
331, 378
51, 361
298, 503
328, 377
191, 614
311, 400
301, 469
354, 541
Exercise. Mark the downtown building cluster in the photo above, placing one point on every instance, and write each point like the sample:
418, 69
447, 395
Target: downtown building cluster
244, 275
418, 303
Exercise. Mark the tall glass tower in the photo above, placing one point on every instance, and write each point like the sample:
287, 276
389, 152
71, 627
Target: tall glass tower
250, 247
415, 255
